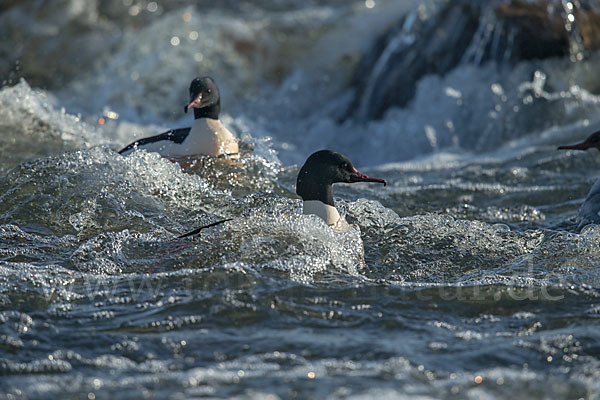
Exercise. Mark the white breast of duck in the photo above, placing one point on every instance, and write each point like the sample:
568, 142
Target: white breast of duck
207, 137
328, 213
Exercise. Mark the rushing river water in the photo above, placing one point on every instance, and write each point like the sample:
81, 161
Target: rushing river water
475, 281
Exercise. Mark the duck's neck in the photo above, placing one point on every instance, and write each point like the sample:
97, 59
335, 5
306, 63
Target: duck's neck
211, 112
328, 213
310, 190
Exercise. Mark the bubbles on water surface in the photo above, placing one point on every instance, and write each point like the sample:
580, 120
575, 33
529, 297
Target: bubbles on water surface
462, 266
98, 189
31, 116
281, 240
121, 209
249, 172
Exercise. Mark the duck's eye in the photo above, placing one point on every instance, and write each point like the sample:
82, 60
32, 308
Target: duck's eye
209, 90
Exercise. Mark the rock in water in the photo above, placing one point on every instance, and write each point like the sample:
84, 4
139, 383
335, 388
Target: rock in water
467, 31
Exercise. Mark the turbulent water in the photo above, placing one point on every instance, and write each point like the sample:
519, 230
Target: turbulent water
470, 278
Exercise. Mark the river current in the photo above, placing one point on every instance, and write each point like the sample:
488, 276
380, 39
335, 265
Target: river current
470, 278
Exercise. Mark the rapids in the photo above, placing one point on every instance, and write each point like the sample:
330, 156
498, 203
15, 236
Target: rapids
470, 278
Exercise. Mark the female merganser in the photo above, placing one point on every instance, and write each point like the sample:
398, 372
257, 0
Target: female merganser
206, 137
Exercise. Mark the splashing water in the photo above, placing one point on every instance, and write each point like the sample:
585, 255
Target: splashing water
468, 278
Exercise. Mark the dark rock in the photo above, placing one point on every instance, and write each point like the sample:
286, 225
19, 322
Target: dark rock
467, 31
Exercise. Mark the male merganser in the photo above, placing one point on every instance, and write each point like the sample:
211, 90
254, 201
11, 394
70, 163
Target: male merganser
206, 137
589, 212
315, 178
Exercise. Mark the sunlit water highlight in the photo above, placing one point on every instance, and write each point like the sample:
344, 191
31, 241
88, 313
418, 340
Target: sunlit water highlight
469, 278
